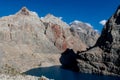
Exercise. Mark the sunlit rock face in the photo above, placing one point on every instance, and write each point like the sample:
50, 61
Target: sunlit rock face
27, 41
23, 44
85, 32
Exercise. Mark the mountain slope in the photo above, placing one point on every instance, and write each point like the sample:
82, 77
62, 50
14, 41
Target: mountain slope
27, 41
23, 44
85, 31
104, 56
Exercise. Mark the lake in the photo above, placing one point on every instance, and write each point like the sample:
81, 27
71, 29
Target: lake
56, 73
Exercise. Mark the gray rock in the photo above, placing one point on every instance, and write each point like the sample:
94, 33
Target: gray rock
106, 50
27, 41
85, 31
23, 44
104, 56
59, 33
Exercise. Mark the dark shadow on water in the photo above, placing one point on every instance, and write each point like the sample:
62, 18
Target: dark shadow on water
57, 73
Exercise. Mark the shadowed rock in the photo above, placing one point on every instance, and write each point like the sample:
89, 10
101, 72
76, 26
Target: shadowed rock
68, 60
104, 56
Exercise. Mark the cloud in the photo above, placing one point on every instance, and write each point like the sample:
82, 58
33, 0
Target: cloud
88, 24
103, 22
34, 13
60, 17
77, 21
80, 22
97, 30
41, 17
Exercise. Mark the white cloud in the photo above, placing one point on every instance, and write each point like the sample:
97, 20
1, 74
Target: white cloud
88, 24
60, 17
34, 13
80, 22
41, 17
103, 22
96, 30
77, 21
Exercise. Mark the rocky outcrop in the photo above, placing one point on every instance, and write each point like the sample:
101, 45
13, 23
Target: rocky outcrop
104, 56
17, 77
23, 44
27, 41
60, 34
85, 31
22, 77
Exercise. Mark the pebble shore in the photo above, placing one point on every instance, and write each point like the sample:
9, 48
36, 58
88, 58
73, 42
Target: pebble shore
22, 77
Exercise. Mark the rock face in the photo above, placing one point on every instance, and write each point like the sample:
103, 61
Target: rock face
23, 44
104, 56
59, 33
22, 77
85, 31
18, 77
27, 41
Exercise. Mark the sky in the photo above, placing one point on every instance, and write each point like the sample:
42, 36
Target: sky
94, 12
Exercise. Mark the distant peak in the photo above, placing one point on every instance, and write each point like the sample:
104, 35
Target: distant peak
24, 8
24, 11
49, 15
75, 22
116, 16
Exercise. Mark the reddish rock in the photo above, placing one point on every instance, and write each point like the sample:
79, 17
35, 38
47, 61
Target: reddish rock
57, 31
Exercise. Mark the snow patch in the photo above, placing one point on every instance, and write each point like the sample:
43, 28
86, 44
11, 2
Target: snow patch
88, 24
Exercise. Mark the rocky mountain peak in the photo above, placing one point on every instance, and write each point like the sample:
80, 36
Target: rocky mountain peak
85, 31
117, 16
50, 15
110, 37
24, 11
49, 18
104, 57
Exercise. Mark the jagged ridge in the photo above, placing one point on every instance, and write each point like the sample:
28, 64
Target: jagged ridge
33, 42
104, 56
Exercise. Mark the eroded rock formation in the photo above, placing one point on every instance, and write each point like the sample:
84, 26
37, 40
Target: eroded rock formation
27, 41
85, 32
104, 56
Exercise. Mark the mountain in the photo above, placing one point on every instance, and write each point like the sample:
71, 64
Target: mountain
27, 41
23, 44
59, 33
103, 57
85, 31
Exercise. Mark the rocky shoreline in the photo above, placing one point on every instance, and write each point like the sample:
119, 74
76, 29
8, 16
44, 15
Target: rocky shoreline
22, 77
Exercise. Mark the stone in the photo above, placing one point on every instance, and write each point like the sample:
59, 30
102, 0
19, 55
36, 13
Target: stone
109, 45
104, 57
28, 41
61, 35
85, 32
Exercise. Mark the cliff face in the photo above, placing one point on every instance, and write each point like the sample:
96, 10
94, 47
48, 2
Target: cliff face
104, 57
110, 38
59, 33
85, 32
23, 44
27, 41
